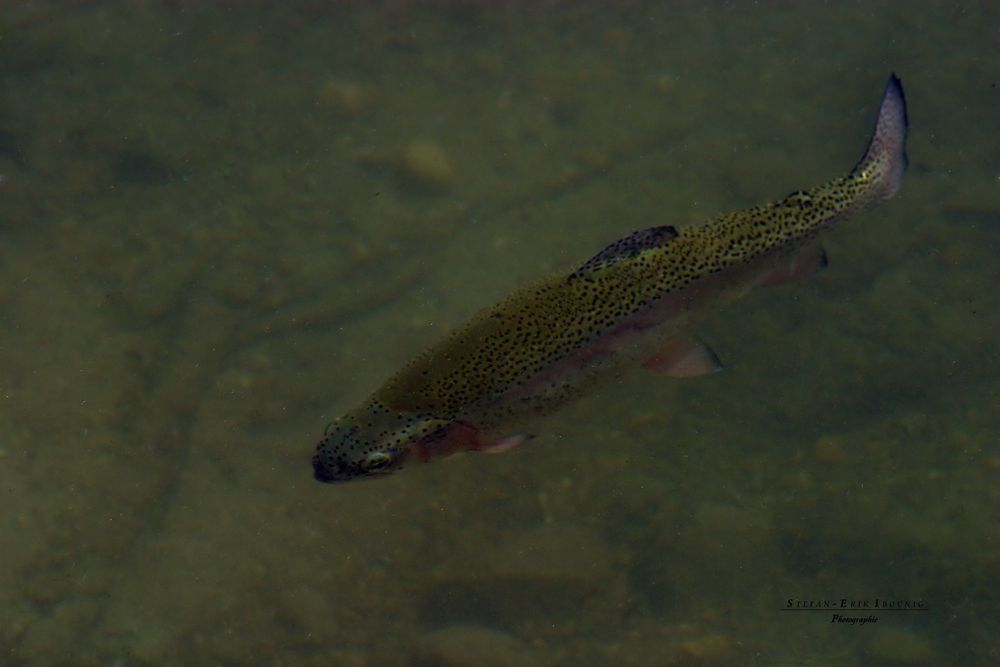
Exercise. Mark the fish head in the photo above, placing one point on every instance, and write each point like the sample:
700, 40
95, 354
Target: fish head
371, 442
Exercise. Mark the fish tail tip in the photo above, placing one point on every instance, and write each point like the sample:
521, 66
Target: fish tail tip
893, 113
885, 160
894, 92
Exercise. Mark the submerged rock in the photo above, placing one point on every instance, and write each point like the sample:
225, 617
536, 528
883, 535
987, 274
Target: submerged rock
474, 646
426, 164
708, 649
900, 647
344, 98
552, 577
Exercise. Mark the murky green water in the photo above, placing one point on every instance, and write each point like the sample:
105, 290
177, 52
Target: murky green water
224, 226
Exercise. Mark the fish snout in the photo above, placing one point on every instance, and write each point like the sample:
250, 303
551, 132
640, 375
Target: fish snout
322, 471
329, 468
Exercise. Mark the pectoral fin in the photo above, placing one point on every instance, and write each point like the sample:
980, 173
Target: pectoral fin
803, 265
681, 358
504, 444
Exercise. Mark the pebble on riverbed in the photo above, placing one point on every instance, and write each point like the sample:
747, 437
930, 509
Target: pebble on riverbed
426, 164
898, 646
474, 646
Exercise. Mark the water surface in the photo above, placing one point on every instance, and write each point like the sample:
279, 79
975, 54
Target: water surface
222, 226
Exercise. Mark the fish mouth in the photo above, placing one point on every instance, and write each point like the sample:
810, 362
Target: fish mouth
330, 474
321, 475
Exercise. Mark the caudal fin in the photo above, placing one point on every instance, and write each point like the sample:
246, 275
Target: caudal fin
881, 169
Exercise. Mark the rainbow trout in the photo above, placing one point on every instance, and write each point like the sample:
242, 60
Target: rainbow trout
631, 304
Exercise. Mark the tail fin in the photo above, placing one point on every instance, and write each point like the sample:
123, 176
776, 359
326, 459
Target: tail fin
881, 169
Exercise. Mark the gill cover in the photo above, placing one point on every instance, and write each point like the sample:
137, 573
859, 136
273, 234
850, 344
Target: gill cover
370, 442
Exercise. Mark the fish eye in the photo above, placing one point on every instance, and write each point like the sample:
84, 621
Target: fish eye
375, 461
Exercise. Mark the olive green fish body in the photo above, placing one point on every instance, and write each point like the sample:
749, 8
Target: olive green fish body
546, 344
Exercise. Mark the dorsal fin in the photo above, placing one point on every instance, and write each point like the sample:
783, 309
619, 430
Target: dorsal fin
627, 248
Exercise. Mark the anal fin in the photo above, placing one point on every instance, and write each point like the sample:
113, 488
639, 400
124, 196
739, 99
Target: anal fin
682, 358
807, 262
